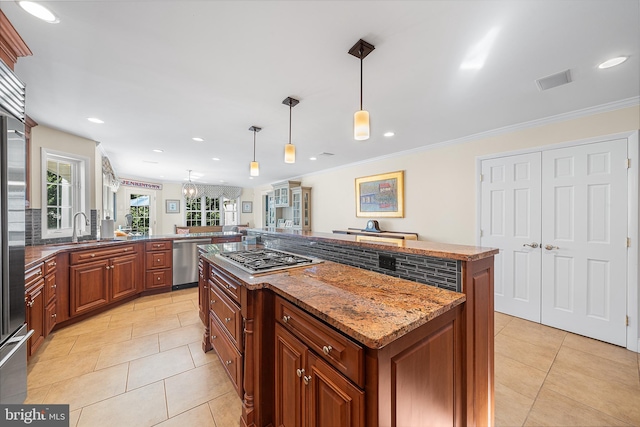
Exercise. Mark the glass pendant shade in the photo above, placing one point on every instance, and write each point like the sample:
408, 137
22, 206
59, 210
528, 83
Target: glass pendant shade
189, 189
254, 169
361, 125
289, 153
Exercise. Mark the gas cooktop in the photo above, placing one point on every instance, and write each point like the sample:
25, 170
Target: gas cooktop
262, 261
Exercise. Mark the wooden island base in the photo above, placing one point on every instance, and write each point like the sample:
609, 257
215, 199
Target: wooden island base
295, 364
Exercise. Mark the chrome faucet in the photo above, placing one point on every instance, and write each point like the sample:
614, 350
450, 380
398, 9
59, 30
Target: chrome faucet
74, 236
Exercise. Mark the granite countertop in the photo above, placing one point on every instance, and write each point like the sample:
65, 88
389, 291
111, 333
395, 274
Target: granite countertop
372, 308
38, 253
421, 247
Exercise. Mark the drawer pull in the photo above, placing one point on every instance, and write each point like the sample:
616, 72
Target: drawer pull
30, 303
53, 316
107, 267
228, 362
54, 286
92, 255
205, 287
227, 319
39, 273
126, 249
299, 372
158, 259
53, 264
213, 337
213, 301
306, 379
327, 349
286, 318
228, 286
158, 278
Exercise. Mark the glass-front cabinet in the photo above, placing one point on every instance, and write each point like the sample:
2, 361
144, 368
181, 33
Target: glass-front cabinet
281, 193
301, 208
271, 209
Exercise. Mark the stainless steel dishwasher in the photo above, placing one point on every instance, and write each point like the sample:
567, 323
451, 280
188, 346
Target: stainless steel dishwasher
185, 261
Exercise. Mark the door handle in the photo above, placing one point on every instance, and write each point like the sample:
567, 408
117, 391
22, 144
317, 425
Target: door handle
531, 245
551, 247
20, 341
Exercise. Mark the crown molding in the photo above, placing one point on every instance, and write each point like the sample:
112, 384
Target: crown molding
11, 44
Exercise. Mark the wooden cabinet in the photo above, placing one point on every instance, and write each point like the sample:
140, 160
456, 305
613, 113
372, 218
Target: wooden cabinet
226, 324
158, 265
301, 208
309, 391
98, 277
35, 307
40, 301
314, 390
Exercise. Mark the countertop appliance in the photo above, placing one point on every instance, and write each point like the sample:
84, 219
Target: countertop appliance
13, 331
185, 262
263, 261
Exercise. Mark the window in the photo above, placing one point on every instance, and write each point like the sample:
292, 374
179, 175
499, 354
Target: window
139, 208
206, 211
64, 193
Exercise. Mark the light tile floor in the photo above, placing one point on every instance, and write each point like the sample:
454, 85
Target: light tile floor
141, 364
548, 377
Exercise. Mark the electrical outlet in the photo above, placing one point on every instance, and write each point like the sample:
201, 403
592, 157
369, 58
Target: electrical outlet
387, 262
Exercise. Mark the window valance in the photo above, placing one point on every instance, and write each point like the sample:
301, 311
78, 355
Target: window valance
217, 191
112, 180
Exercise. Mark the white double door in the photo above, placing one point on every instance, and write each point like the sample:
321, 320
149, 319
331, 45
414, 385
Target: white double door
559, 218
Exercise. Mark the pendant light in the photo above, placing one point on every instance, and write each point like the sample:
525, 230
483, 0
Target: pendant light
361, 118
290, 149
254, 168
189, 189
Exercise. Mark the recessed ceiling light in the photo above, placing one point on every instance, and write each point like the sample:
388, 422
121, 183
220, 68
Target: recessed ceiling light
313, 158
215, 158
389, 134
95, 120
158, 151
250, 177
198, 139
222, 180
39, 11
613, 62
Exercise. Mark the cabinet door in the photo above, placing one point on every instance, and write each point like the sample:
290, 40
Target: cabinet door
296, 207
49, 287
203, 306
50, 318
290, 361
332, 400
123, 276
89, 286
35, 316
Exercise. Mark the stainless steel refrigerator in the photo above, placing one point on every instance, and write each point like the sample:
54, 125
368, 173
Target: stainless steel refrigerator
13, 329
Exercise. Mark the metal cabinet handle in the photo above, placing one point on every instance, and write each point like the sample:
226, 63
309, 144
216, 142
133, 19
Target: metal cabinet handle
92, 255
299, 372
39, 273
53, 264
227, 319
30, 303
158, 278
54, 286
213, 337
158, 259
228, 286
53, 316
228, 362
532, 245
327, 349
107, 267
213, 301
285, 319
306, 379
551, 247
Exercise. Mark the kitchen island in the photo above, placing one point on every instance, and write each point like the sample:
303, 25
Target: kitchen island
331, 344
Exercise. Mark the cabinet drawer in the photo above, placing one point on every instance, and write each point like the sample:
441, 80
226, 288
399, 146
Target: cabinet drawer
162, 259
33, 274
341, 352
158, 246
230, 357
49, 288
49, 266
158, 279
93, 255
225, 282
228, 314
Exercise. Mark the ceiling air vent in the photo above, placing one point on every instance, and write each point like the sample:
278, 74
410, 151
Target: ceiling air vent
558, 79
326, 154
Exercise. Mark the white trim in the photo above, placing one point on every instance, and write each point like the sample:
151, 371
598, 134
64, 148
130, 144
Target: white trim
584, 112
633, 299
633, 229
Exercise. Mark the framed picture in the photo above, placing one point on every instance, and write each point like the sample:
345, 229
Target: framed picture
172, 206
247, 207
380, 195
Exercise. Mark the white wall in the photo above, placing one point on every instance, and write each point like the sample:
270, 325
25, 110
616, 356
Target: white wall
46, 137
440, 184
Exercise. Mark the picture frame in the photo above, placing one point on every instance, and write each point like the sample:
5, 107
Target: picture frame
380, 195
247, 207
172, 206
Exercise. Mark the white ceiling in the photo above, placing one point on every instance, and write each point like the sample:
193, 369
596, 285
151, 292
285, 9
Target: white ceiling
161, 72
